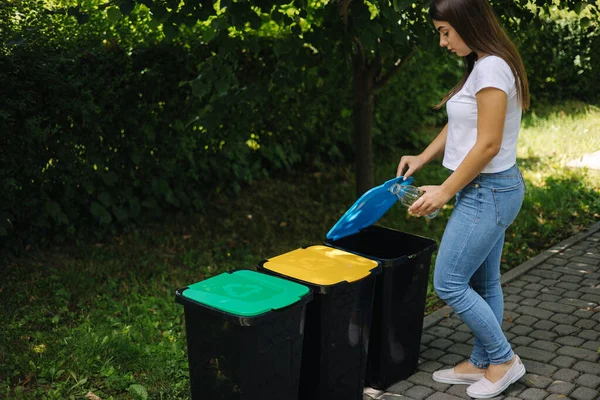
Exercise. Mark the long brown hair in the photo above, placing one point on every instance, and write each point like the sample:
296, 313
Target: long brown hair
475, 22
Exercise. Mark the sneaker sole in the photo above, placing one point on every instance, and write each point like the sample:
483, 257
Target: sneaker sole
453, 381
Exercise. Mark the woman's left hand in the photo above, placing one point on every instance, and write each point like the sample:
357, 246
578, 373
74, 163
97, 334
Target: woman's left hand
433, 199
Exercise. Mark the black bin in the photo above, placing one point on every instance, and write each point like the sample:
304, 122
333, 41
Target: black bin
338, 319
244, 336
399, 302
401, 288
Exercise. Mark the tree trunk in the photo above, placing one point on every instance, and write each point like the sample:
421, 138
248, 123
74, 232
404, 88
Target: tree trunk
365, 75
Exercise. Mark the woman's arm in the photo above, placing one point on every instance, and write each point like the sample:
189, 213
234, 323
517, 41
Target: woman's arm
491, 114
414, 163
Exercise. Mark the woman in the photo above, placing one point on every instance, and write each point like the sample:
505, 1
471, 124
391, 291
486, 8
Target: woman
479, 147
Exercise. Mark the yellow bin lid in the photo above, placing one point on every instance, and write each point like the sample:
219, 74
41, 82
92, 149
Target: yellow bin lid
321, 265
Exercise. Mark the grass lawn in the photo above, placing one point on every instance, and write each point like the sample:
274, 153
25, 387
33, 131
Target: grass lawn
101, 317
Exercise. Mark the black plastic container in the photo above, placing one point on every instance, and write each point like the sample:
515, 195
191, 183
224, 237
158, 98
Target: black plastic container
399, 302
244, 358
336, 335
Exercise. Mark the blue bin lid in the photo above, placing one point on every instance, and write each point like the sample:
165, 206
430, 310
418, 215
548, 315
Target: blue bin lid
367, 209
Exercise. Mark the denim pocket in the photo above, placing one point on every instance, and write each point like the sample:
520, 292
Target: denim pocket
508, 201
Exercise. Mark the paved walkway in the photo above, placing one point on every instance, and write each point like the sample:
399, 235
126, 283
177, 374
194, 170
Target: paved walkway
552, 319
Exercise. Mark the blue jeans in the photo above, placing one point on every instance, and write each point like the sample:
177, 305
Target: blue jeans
467, 268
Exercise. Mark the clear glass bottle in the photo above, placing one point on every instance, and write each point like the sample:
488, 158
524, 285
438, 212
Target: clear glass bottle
408, 194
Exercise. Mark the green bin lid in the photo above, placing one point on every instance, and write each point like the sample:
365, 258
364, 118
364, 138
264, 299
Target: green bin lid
245, 293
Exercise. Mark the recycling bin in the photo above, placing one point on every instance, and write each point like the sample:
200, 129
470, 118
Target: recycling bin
338, 318
244, 336
400, 290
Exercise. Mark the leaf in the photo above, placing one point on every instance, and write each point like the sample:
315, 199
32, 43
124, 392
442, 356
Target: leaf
222, 86
113, 14
199, 88
101, 213
139, 391
105, 199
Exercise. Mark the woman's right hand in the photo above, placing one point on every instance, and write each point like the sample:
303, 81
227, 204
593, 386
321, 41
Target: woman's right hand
414, 163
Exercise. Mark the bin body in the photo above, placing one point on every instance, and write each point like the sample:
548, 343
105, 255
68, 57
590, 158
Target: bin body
338, 319
399, 300
244, 357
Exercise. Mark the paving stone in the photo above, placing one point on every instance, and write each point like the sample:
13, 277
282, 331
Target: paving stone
569, 341
564, 319
588, 380
510, 306
584, 393
548, 282
519, 283
549, 297
460, 337
557, 307
513, 298
557, 261
544, 325
543, 334
560, 388
424, 379
530, 293
521, 330
537, 381
532, 287
538, 368
546, 274
589, 334
425, 338
534, 312
400, 387
566, 375
571, 279
554, 290
545, 345
509, 336
564, 361
594, 289
567, 285
587, 314
463, 328
584, 259
460, 349
515, 389
451, 359
533, 394
564, 330
419, 392
555, 396
530, 278
450, 322
585, 324
578, 303
582, 354
430, 366
529, 353
572, 294
441, 344
522, 340
591, 345
458, 391
512, 290
422, 349
440, 331
441, 396
526, 320
591, 298
432, 354
588, 367
394, 397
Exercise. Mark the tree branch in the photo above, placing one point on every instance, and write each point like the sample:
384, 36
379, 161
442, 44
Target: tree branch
343, 6
361, 50
390, 73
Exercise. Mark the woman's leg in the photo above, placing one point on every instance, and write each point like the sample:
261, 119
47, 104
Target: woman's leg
486, 282
471, 235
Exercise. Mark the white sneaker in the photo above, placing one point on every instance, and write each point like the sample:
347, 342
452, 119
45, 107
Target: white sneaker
455, 378
484, 389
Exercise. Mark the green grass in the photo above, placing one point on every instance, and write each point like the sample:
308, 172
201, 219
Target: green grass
102, 318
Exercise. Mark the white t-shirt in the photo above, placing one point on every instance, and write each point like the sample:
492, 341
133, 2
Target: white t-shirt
490, 71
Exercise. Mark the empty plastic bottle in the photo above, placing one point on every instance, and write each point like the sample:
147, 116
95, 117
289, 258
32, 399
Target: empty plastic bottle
408, 194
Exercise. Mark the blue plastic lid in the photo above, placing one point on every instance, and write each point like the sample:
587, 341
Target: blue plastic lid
367, 209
